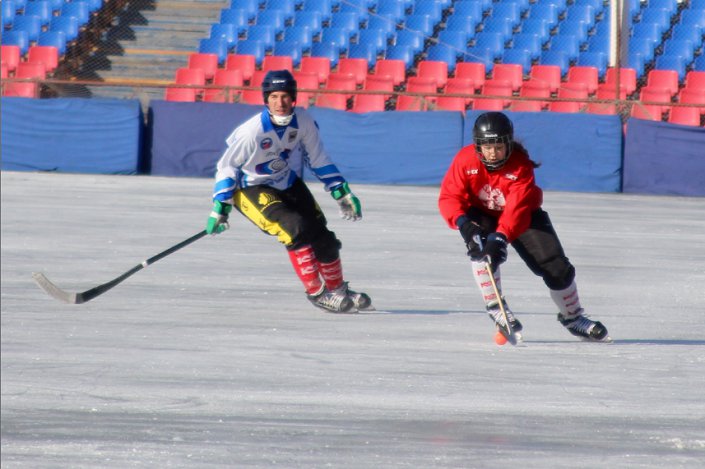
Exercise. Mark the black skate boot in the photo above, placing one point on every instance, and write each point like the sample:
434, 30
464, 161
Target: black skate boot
496, 315
583, 327
514, 337
361, 300
335, 301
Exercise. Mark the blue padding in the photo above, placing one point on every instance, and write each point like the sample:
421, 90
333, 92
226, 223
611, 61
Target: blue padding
188, 138
391, 147
577, 152
662, 158
71, 135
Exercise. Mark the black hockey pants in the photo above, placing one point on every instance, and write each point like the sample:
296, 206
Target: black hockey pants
538, 246
292, 215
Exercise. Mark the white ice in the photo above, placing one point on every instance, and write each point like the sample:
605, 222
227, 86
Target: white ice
213, 357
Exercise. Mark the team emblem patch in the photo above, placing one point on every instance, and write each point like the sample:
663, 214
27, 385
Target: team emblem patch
266, 143
266, 200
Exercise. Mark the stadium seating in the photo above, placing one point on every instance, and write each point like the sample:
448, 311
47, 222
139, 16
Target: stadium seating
10, 56
306, 81
566, 92
277, 62
26, 90
224, 77
396, 69
434, 70
684, 116
475, 71
47, 55
587, 75
319, 65
206, 62
550, 74
358, 68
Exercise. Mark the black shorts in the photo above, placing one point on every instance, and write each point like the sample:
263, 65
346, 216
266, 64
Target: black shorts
292, 215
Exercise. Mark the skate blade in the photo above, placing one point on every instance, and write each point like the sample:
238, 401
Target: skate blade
604, 340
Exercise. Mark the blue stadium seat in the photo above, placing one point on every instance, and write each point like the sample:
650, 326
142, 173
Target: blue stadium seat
684, 31
422, 23
55, 39
679, 47
32, 25
528, 42
581, 13
328, 50
492, 41
556, 57
695, 18
468, 8
79, 10
482, 55
413, 39
646, 32
365, 50
286, 6
430, 8
508, 10
518, 56
16, 38
217, 46
443, 53
699, 63
324, 7
571, 27
358, 7
289, 48
300, 34
251, 6
339, 36
643, 48
227, 32
274, 18
66, 24
401, 52
392, 8
264, 33
454, 39
311, 19
599, 60
671, 62
252, 47
466, 24
637, 62
345, 20
600, 41
373, 37
41, 9
504, 26
239, 18
568, 44
547, 12
536, 26
386, 23
656, 16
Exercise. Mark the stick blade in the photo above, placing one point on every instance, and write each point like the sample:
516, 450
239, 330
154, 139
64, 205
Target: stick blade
54, 291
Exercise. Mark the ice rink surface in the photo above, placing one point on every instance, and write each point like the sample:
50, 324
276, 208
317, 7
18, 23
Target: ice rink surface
213, 357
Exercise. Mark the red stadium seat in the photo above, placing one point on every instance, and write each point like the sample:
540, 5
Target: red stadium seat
684, 116
393, 68
355, 67
254, 96
667, 79
550, 74
606, 91
48, 55
277, 62
693, 96
476, 71
584, 74
11, 56
451, 103
660, 96
244, 62
417, 103
206, 62
341, 82
627, 77
368, 103
317, 65
513, 73
191, 76
379, 83
305, 81
695, 80
180, 94
224, 77
5, 70
433, 69
26, 90
566, 92
494, 88
532, 89
456, 85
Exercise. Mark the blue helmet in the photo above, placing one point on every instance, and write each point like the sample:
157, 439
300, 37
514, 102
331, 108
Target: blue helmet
278, 80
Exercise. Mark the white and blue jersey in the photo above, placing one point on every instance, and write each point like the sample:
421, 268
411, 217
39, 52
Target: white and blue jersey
261, 153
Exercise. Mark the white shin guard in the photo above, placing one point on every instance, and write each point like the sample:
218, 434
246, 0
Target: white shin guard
567, 300
482, 279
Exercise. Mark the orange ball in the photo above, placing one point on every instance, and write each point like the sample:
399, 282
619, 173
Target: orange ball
500, 339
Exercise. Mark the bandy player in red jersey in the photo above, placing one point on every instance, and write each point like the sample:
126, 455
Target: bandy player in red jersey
490, 195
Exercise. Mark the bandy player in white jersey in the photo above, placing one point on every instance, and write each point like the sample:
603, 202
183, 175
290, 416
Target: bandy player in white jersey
260, 174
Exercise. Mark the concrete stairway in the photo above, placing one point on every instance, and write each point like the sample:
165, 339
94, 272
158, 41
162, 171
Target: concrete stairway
148, 41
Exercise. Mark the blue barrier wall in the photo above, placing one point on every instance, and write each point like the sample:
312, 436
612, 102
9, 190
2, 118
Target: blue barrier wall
71, 135
578, 152
662, 158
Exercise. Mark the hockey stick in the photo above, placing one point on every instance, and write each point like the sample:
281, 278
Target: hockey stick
88, 295
488, 266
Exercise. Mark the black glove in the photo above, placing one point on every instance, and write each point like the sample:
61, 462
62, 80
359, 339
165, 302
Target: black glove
495, 249
472, 234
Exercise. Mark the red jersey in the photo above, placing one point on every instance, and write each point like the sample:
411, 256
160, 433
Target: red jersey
510, 193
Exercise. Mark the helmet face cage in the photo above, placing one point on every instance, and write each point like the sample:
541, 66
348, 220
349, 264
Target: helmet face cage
278, 80
492, 128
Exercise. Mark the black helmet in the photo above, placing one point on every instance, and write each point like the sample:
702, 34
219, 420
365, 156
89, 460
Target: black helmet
278, 80
493, 127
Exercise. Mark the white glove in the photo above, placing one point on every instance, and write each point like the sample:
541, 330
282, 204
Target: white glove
349, 205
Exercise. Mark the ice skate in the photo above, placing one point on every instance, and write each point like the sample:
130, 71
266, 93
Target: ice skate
495, 313
361, 300
581, 326
335, 301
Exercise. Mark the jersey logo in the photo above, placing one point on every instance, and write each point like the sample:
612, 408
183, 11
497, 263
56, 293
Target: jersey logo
265, 200
271, 166
493, 199
511, 177
266, 143
471, 171
292, 135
